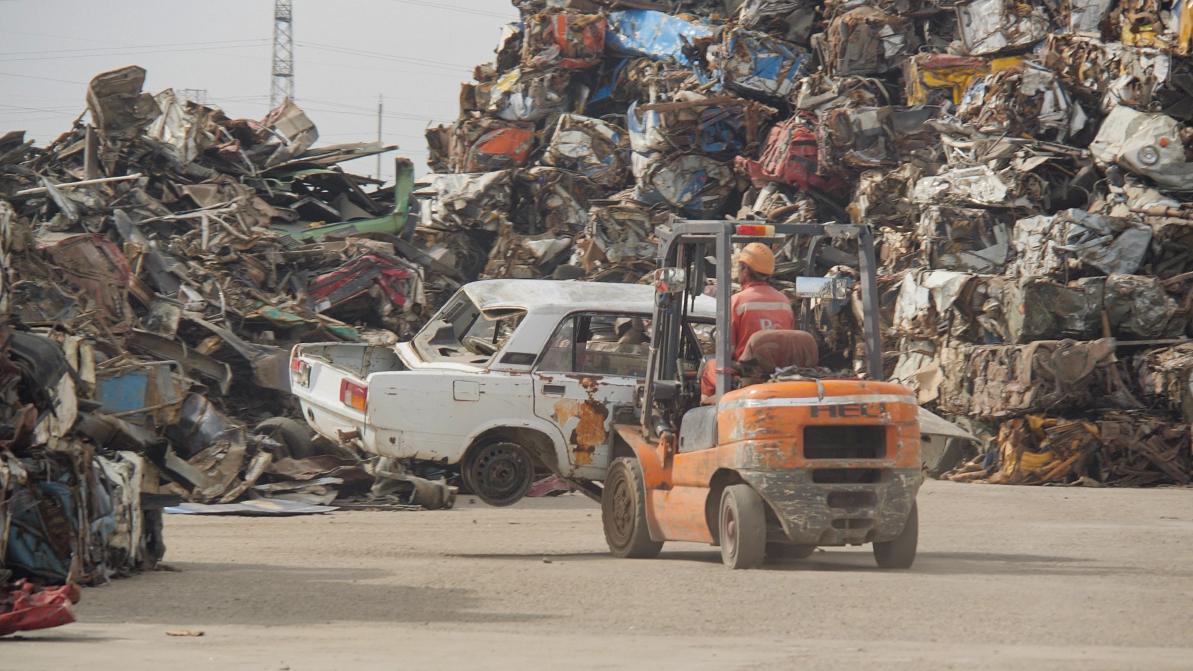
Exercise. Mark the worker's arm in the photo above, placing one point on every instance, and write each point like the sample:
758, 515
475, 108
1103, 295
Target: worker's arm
708, 380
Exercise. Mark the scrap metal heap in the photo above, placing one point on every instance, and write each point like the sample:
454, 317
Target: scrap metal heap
1024, 166
156, 265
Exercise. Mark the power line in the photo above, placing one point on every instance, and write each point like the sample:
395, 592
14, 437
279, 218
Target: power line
373, 114
54, 101
411, 60
338, 104
244, 98
422, 72
384, 56
389, 115
358, 134
198, 96
258, 41
141, 52
72, 38
372, 111
40, 109
42, 59
46, 79
452, 8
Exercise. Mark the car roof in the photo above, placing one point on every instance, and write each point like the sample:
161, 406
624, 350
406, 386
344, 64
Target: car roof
564, 296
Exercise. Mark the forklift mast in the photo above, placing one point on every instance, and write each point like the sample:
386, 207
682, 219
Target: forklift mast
681, 279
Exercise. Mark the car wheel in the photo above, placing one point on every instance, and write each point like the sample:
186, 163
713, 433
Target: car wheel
294, 437
500, 473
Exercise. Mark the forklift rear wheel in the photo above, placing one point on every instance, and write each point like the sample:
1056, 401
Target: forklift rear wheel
900, 553
743, 527
623, 512
500, 473
788, 552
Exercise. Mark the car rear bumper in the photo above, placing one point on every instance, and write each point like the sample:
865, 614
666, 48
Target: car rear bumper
846, 512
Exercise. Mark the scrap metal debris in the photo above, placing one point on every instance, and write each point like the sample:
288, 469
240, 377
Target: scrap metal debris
1023, 165
28, 607
1025, 168
157, 263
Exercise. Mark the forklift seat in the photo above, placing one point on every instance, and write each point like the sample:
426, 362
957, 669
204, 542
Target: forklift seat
769, 351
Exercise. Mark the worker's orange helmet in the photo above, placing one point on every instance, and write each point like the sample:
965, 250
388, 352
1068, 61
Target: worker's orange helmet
759, 258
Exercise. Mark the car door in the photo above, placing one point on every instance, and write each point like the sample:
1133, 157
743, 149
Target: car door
587, 378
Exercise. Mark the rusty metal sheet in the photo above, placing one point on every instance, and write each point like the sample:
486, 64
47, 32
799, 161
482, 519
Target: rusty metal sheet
594, 148
993, 26
865, 41
98, 270
997, 381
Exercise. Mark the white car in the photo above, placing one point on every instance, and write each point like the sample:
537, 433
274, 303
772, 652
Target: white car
508, 373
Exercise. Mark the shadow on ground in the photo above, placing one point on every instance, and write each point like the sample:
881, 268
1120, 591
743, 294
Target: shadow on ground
929, 563
540, 556
262, 594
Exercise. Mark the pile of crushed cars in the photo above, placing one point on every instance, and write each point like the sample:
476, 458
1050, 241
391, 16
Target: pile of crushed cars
156, 264
1024, 165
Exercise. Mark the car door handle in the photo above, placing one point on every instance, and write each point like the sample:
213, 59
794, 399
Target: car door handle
554, 389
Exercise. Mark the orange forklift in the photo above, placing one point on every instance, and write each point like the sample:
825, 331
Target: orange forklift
772, 470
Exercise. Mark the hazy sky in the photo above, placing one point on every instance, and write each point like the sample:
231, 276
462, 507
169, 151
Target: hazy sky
415, 53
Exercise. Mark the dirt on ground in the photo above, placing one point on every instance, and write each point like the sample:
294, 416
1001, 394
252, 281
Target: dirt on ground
1007, 577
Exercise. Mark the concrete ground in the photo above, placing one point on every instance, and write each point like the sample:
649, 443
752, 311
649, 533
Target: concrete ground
1007, 577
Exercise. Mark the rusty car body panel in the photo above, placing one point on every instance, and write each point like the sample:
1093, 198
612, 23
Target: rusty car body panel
426, 405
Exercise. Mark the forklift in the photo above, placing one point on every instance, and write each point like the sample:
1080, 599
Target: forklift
805, 458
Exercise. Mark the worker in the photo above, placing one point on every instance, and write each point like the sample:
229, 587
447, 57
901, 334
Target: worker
757, 306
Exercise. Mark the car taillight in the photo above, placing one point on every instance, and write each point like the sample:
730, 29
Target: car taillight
354, 395
300, 372
756, 230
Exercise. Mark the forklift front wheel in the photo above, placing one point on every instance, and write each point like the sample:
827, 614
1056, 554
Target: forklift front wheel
743, 527
623, 512
900, 552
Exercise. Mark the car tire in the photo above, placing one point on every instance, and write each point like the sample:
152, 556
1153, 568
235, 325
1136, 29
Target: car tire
499, 472
294, 436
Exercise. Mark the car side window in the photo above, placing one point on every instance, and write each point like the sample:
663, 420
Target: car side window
598, 344
558, 357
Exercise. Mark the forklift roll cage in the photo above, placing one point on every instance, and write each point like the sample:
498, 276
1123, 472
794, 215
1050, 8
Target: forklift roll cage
685, 249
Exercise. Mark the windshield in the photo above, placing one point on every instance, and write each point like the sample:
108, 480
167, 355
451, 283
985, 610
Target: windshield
461, 332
